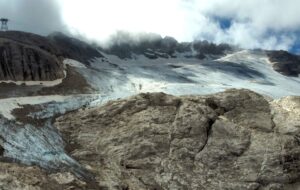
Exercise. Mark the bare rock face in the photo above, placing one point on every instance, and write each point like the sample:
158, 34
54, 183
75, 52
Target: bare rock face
286, 113
285, 63
16, 177
231, 140
29, 57
21, 62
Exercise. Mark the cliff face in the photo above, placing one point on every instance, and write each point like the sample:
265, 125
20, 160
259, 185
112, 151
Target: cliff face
30, 57
21, 62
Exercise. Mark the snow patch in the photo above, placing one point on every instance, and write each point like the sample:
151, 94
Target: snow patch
9, 104
74, 63
36, 83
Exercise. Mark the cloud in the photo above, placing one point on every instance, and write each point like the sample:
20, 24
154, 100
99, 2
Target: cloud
99, 19
267, 24
38, 16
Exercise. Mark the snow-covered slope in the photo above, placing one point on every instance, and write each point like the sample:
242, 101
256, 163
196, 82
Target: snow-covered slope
115, 77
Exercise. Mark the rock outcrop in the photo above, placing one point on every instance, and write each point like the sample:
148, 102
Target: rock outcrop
285, 63
17, 177
230, 140
29, 57
22, 62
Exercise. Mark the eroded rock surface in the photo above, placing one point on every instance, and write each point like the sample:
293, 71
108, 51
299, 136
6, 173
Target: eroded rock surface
230, 140
22, 62
285, 63
16, 177
30, 57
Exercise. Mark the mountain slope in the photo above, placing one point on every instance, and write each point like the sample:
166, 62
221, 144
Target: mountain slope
77, 138
30, 57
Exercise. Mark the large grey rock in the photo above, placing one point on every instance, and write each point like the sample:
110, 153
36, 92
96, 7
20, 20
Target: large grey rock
230, 140
286, 114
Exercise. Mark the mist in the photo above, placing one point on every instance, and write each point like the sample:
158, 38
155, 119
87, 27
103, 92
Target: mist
37, 16
265, 24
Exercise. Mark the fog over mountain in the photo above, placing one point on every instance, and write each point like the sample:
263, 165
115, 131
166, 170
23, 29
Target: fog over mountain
268, 24
36, 16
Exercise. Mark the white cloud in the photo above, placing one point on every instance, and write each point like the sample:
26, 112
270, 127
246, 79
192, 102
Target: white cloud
268, 24
101, 18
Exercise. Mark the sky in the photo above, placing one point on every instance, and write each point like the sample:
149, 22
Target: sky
265, 24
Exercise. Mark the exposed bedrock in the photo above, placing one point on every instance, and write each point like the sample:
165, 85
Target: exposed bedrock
230, 140
30, 57
20, 62
285, 63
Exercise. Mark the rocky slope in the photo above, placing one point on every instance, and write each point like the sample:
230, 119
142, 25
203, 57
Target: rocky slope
22, 62
231, 140
30, 57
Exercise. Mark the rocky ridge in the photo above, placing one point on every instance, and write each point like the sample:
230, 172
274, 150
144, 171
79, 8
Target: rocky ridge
236, 139
30, 57
230, 140
22, 62
154, 47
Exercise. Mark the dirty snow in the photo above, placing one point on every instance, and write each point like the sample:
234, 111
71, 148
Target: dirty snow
61, 103
117, 77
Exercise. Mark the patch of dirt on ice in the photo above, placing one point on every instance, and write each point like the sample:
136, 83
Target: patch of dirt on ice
74, 83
